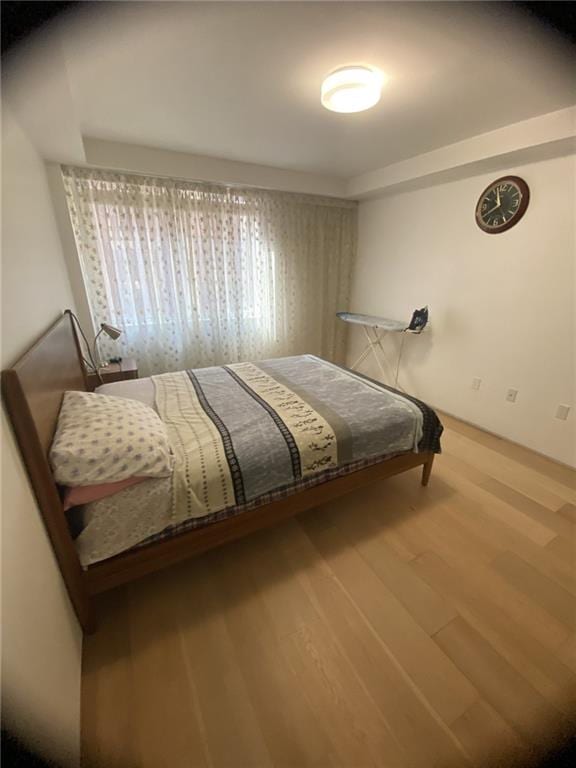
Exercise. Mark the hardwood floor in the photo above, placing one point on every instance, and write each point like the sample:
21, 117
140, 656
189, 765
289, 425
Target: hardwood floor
399, 627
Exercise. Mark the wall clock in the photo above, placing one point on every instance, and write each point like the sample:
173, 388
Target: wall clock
502, 204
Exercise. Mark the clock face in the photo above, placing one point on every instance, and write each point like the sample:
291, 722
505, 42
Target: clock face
502, 204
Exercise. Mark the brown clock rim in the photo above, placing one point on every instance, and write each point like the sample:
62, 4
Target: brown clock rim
524, 189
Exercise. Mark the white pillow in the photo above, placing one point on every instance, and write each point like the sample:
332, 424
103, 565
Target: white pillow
104, 439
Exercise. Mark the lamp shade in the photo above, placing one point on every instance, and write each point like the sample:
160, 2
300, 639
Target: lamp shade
110, 330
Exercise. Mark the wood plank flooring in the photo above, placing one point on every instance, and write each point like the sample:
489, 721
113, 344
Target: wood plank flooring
401, 626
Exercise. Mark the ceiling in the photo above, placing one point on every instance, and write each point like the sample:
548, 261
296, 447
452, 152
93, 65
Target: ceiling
242, 80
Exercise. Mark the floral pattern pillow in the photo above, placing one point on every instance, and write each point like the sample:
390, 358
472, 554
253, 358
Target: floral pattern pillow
104, 439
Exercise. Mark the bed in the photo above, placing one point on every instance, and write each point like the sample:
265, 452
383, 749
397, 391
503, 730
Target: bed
286, 435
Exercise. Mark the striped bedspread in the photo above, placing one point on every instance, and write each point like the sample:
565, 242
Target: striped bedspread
241, 431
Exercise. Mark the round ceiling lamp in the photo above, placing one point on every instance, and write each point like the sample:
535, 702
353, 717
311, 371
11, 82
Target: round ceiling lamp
351, 89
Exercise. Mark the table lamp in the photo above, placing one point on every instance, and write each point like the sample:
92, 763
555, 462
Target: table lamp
112, 332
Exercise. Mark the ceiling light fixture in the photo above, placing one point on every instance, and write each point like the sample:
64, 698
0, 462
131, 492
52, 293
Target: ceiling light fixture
351, 89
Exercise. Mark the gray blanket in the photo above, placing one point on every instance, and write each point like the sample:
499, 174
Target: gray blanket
243, 430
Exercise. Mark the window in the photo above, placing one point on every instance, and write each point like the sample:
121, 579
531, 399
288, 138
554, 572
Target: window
199, 275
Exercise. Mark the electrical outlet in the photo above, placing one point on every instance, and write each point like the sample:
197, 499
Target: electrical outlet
562, 412
476, 383
511, 395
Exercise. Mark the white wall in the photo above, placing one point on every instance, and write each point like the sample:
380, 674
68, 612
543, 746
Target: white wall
41, 640
542, 137
183, 165
502, 306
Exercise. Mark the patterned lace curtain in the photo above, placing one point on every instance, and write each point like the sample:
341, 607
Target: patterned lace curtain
198, 274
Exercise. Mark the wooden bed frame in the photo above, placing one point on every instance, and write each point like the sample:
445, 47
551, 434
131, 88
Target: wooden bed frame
33, 389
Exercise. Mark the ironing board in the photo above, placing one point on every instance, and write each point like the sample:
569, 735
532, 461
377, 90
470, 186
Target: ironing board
375, 329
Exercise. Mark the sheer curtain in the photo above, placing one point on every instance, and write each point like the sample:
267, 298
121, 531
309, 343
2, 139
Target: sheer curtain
198, 274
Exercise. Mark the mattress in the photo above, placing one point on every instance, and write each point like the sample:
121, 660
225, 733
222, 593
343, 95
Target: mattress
274, 427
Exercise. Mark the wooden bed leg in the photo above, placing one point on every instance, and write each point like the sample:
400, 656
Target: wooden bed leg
427, 470
88, 622
84, 609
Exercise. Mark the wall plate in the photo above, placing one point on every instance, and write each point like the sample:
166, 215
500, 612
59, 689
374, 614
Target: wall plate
511, 395
562, 412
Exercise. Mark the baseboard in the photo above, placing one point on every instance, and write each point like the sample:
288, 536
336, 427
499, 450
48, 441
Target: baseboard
559, 463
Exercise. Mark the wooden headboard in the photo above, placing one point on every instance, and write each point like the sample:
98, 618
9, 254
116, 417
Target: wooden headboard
40, 377
32, 390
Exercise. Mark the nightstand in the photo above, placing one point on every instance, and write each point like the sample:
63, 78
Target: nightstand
127, 369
